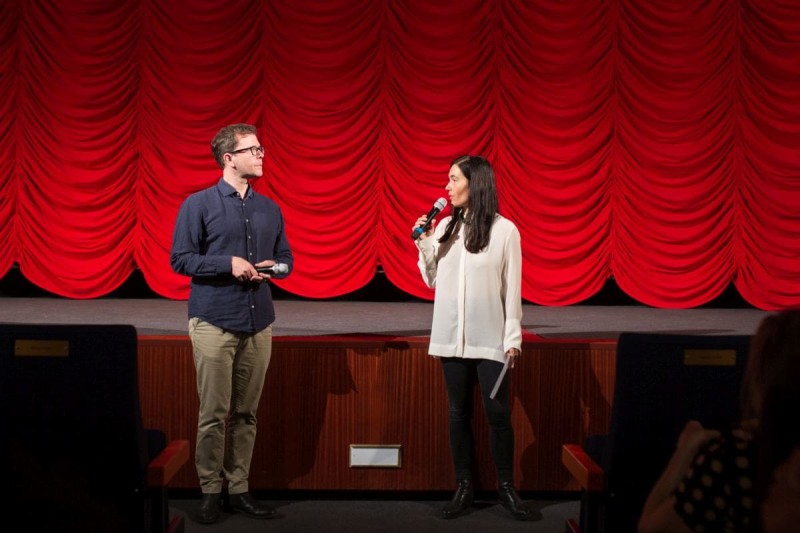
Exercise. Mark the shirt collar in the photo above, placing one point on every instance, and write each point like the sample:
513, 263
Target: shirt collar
226, 189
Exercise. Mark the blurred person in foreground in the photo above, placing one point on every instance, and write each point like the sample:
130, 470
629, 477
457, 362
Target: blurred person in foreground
723, 480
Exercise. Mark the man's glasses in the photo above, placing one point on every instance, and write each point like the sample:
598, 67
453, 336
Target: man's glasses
254, 150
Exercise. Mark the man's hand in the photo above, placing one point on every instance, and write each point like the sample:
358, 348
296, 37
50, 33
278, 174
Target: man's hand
244, 271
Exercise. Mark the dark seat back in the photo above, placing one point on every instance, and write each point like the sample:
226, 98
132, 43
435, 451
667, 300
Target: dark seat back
663, 381
73, 428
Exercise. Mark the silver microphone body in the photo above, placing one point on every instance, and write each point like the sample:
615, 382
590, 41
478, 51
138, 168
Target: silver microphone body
277, 268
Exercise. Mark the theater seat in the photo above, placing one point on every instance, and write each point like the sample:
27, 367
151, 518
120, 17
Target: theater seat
77, 457
661, 382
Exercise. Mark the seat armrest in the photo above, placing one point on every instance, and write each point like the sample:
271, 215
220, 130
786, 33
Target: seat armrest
166, 464
586, 472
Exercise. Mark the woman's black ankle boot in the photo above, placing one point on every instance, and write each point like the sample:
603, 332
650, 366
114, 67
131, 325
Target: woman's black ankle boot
462, 500
510, 500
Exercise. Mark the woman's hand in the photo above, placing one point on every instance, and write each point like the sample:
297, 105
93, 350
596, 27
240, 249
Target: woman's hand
512, 355
420, 222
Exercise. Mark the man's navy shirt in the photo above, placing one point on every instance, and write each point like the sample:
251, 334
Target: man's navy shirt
214, 225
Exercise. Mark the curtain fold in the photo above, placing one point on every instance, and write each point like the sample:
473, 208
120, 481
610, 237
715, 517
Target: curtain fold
653, 142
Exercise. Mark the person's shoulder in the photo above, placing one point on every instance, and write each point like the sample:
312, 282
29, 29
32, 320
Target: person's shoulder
198, 198
263, 198
204, 192
264, 203
504, 224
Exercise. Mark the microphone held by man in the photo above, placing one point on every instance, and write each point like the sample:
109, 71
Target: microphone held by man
277, 268
438, 205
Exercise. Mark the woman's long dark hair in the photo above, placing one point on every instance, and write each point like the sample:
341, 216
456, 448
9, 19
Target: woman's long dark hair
774, 352
483, 205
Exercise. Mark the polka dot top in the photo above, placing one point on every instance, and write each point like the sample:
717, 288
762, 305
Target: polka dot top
716, 494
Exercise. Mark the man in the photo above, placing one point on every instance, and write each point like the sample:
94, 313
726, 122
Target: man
223, 234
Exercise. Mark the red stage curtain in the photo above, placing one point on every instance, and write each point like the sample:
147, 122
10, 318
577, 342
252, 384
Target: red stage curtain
656, 142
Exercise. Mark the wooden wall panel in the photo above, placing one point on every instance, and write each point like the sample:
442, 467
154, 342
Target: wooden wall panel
323, 394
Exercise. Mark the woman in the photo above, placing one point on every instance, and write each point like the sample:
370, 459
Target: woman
717, 481
780, 512
778, 483
473, 260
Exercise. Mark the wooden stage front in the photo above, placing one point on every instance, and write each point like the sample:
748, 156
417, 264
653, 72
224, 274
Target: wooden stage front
345, 373
324, 394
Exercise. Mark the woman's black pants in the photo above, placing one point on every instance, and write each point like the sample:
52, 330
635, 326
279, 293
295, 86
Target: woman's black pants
459, 377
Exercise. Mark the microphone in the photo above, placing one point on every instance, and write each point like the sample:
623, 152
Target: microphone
277, 268
438, 205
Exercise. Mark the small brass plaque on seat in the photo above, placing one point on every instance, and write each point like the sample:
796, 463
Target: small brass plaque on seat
40, 348
709, 357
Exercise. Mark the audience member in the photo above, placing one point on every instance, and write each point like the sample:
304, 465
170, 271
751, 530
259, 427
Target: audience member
716, 480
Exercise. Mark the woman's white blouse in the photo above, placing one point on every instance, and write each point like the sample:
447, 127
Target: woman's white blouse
477, 309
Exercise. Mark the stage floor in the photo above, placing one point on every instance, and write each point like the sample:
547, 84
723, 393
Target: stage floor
154, 316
